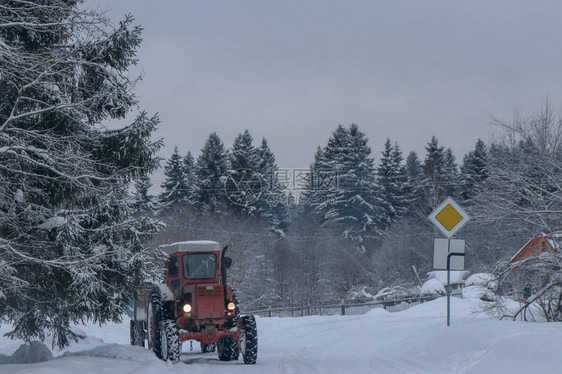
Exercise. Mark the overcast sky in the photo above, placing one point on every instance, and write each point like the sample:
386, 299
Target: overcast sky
291, 71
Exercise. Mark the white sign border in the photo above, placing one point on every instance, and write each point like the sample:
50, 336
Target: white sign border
449, 201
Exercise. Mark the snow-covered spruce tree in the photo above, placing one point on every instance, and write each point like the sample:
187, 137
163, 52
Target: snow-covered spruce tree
143, 202
255, 168
439, 178
314, 192
413, 167
70, 248
364, 194
352, 206
176, 205
474, 170
211, 169
272, 204
451, 170
414, 172
404, 187
402, 243
175, 190
385, 179
243, 160
243, 154
320, 180
189, 172
393, 181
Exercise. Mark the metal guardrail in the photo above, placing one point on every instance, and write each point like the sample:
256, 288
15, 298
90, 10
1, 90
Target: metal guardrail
391, 305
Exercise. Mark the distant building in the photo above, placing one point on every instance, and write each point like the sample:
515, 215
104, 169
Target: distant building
538, 244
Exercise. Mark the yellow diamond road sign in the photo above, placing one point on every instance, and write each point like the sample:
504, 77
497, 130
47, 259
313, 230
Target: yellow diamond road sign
449, 217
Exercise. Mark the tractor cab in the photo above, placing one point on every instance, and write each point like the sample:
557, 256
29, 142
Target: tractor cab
196, 276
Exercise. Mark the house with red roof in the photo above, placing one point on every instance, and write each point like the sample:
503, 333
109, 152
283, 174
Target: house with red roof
538, 244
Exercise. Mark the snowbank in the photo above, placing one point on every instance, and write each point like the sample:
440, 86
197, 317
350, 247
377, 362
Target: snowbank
432, 287
481, 286
28, 354
478, 292
457, 276
438, 309
396, 292
482, 279
118, 351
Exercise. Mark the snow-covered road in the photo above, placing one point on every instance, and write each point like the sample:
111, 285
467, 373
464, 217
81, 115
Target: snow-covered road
414, 341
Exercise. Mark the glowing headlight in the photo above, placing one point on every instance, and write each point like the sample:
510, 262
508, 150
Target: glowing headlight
231, 306
187, 308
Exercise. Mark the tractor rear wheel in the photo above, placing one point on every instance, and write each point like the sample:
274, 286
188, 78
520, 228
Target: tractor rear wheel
227, 349
249, 343
170, 341
154, 317
137, 333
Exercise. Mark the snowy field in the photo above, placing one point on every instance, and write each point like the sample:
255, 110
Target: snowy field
413, 341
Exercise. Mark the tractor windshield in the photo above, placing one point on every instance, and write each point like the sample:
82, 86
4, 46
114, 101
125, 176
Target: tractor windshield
199, 265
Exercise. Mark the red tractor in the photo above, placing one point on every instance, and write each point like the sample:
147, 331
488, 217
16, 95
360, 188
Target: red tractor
195, 303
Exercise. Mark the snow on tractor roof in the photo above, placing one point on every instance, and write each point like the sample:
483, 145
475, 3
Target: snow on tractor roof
191, 246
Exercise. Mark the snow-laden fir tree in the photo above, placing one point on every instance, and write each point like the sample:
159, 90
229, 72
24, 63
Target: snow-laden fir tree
452, 172
314, 188
70, 247
272, 204
404, 187
393, 181
189, 172
144, 202
254, 171
211, 170
323, 179
385, 179
439, 178
245, 183
364, 195
414, 171
414, 168
243, 154
474, 170
346, 196
175, 189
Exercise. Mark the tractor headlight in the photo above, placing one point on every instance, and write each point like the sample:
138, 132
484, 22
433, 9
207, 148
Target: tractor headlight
187, 308
231, 306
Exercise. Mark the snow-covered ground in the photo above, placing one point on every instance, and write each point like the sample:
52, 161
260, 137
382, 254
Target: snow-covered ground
413, 341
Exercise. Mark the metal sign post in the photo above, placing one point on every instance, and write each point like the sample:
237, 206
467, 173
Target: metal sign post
451, 254
449, 217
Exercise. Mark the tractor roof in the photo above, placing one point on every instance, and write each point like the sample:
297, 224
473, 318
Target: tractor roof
191, 246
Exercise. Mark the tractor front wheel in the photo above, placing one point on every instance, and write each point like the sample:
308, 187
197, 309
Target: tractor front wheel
249, 343
227, 349
170, 341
